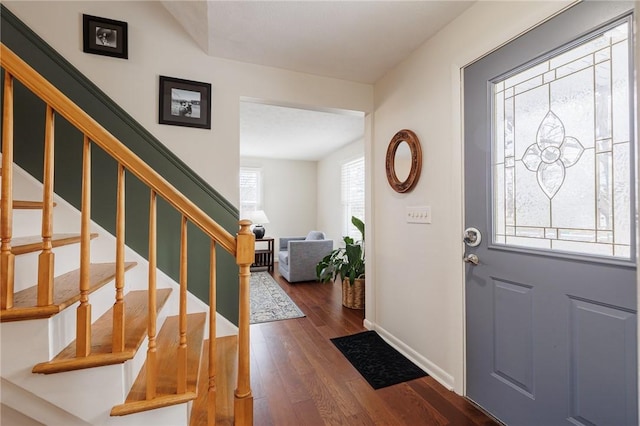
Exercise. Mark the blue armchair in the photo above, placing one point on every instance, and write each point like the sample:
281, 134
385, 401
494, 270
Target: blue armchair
298, 256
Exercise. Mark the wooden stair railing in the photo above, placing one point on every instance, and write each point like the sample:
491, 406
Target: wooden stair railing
241, 247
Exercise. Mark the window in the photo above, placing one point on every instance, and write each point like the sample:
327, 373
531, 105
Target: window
562, 151
250, 190
352, 196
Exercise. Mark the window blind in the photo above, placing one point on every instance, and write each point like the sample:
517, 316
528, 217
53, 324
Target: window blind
352, 196
250, 190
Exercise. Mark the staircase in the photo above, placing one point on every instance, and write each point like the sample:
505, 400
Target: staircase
81, 345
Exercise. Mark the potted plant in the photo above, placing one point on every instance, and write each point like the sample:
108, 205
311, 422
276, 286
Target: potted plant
348, 263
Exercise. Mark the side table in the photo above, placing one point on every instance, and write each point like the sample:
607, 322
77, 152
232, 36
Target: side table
264, 256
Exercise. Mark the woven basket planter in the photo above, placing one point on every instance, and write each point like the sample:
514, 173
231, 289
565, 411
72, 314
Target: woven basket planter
353, 295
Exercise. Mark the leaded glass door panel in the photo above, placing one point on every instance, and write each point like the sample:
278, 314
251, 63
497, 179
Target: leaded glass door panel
561, 150
549, 158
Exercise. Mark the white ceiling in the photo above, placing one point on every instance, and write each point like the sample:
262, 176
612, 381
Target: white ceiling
273, 131
351, 40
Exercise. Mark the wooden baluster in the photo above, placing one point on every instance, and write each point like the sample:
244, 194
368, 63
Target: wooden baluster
152, 363
213, 349
182, 349
83, 327
243, 403
7, 259
47, 257
118, 307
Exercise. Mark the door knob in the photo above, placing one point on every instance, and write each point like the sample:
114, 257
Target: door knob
472, 237
472, 258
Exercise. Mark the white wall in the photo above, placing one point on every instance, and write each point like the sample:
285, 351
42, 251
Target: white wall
417, 272
289, 195
329, 189
159, 46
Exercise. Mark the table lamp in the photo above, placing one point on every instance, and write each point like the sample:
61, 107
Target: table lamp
258, 218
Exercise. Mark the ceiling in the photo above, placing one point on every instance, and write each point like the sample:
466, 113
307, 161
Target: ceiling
273, 131
351, 40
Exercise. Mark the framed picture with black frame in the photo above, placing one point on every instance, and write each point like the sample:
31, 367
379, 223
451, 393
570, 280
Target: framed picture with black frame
184, 103
102, 36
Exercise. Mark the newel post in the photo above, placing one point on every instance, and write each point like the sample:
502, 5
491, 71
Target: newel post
245, 252
7, 258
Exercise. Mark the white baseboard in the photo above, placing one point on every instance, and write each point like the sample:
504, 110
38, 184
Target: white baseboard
444, 378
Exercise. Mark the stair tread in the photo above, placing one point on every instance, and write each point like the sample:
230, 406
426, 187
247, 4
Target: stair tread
22, 245
136, 309
65, 293
28, 205
167, 343
226, 376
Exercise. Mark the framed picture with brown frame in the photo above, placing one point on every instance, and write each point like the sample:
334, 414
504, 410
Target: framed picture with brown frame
102, 36
184, 103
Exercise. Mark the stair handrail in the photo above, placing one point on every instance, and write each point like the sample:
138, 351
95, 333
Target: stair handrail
112, 146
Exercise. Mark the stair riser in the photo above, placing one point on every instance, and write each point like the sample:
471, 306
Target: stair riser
27, 222
63, 325
67, 259
87, 396
168, 416
26, 271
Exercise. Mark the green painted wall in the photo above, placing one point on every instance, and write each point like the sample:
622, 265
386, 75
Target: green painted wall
28, 148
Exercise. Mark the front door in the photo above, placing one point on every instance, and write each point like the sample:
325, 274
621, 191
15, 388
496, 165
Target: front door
549, 186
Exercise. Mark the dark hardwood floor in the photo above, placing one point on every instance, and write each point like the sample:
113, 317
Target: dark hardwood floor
298, 377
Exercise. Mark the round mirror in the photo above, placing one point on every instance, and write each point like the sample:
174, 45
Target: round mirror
404, 161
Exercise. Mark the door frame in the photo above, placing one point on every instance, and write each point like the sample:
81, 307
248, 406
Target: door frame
457, 78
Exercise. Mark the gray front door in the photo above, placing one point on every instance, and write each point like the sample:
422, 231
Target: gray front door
549, 169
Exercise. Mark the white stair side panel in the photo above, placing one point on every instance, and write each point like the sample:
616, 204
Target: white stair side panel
9, 416
26, 409
30, 406
23, 345
89, 395
82, 393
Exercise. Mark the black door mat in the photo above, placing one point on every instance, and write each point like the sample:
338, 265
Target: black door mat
379, 363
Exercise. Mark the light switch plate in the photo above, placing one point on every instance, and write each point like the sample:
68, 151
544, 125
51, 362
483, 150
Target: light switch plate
421, 214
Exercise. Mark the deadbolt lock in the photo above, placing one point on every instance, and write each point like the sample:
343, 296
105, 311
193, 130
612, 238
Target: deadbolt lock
472, 237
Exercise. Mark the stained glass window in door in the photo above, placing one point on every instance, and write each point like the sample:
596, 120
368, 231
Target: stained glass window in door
561, 151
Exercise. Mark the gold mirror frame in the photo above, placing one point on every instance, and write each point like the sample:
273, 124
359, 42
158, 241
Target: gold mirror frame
411, 139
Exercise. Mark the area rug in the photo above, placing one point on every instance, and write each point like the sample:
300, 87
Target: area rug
269, 302
379, 363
